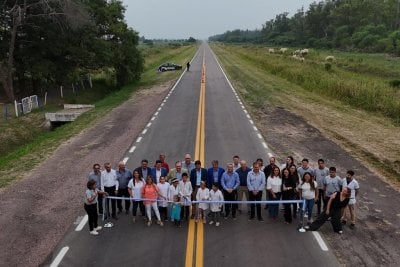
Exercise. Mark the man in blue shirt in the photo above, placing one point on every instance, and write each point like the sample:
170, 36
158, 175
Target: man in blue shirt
230, 182
123, 177
256, 185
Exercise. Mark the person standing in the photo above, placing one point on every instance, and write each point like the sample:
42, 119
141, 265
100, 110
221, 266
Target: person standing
110, 185
267, 171
216, 196
332, 184
230, 182
294, 177
164, 163
308, 192
236, 162
214, 174
255, 185
135, 191
320, 173
163, 188
197, 175
176, 172
158, 171
354, 187
188, 66
91, 206
274, 188
187, 163
289, 162
336, 202
144, 169
95, 175
185, 193
305, 168
175, 211
124, 175
288, 193
243, 171
203, 194
150, 193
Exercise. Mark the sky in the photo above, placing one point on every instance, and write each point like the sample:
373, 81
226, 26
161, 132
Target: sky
181, 19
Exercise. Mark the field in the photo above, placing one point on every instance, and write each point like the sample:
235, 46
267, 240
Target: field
24, 140
350, 100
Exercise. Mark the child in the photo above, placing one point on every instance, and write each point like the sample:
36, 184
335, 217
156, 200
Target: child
91, 206
185, 192
163, 187
176, 211
215, 195
202, 194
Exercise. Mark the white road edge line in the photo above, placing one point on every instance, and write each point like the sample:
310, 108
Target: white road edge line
251, 121
320, 241
132, 149
153, 118
139, 139
125, 160
265, 144
155, 114
270, 155
82, 223
144, 131
255, 128
259, 136
148, 125
59, 257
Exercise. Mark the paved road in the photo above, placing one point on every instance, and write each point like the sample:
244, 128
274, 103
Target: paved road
228, 131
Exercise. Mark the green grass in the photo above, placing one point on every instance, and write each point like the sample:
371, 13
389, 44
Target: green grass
32, 144
360, 80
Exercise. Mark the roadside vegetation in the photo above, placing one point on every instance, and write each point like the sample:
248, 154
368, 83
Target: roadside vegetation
24, 141
353, 101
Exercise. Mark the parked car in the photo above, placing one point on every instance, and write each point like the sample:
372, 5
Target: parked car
169, 66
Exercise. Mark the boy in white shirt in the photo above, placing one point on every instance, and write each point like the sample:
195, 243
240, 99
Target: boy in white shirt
354, 187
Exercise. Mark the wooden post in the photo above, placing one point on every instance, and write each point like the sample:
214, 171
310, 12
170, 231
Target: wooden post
45, 98
16, 108
90, 81
61, 92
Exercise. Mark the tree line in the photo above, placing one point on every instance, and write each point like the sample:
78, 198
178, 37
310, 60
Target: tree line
49, 43
365, 25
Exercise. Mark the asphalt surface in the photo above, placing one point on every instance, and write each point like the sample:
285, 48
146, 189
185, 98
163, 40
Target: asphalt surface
228, 131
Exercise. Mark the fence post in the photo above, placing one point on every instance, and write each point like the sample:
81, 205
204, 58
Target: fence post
61, 91
16, 108
90, 81
45, 98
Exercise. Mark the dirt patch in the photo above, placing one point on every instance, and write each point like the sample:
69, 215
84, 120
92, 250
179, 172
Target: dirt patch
37, 210
374, 242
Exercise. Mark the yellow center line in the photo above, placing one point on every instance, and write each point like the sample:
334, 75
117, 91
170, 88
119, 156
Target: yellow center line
194, 248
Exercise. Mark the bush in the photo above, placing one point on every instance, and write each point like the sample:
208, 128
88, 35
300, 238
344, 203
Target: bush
395, 83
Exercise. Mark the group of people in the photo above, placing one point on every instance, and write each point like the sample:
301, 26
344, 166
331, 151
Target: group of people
172, 194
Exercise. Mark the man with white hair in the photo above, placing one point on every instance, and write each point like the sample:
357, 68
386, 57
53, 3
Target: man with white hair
188, 164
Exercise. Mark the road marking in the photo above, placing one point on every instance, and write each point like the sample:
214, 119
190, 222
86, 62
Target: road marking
245, 111
265, 144
162, 104
199, 244
259, 136
125, 160
255, 128
156, 114
248, 116
194, 248
251, 121
153, 118
159, 109
144, 131
270, 155
139, 139
59, 257
132, 149
148, 125
82, 223
320, 241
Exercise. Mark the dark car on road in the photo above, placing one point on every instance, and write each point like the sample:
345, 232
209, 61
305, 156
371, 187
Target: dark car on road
169, 66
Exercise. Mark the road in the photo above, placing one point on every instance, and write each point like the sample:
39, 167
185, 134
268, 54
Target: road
227, 130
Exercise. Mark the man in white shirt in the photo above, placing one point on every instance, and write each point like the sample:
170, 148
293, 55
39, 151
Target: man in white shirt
109, 184
354, 187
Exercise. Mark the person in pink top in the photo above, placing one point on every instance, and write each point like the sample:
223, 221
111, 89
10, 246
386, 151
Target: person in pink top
150, 192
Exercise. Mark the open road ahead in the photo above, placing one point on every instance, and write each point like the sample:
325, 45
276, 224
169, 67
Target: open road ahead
202, 115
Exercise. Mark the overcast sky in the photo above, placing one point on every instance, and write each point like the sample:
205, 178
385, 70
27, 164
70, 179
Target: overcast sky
180, 19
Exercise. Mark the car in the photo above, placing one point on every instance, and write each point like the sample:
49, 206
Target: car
169, 66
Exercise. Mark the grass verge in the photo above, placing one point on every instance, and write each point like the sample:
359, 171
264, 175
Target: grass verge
33, 146
371, 136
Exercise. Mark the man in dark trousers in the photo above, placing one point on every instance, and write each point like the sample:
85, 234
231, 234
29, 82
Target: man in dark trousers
188, 65
197, 175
